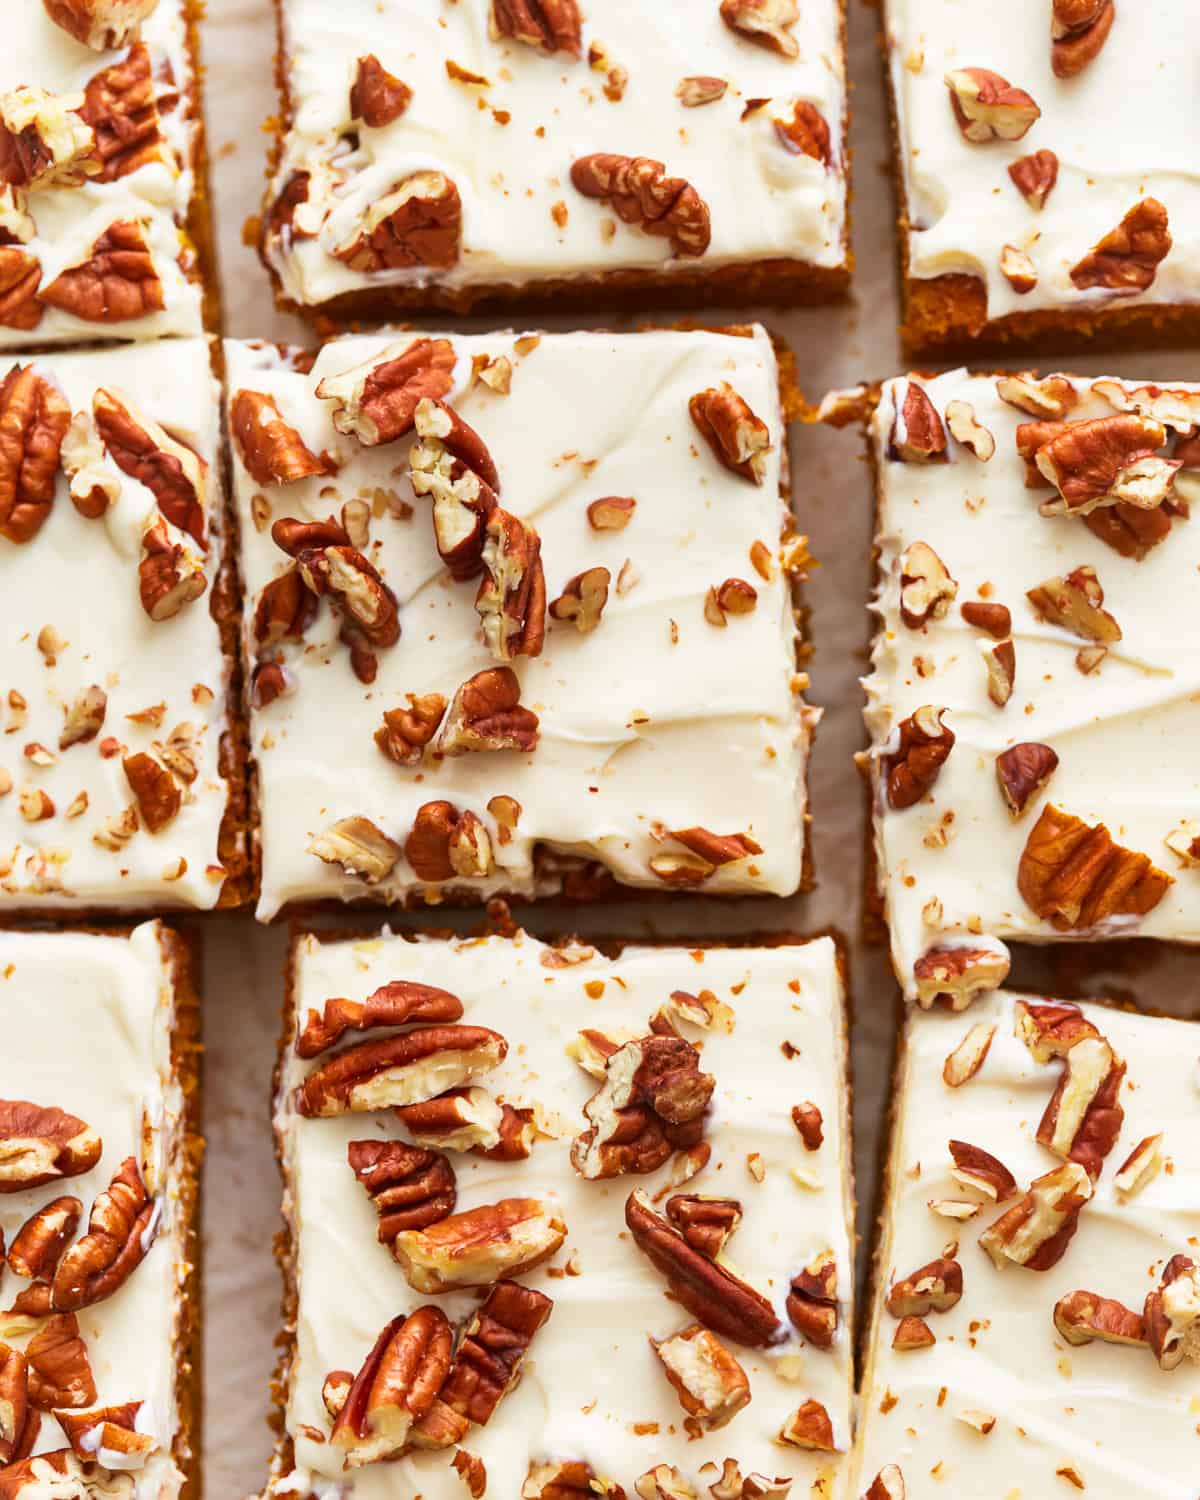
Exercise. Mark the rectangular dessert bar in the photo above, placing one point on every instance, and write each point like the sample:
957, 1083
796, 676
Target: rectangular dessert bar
1031, 212
1035, 691
1037, 1306
558, 153
121, 782
99, 1172
103, 220
634, 1169
615, 699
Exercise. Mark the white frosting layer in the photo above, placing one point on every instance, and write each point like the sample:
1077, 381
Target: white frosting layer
591, 1374
80, 577
1127, 1428
69, 220
634, 729
765, 201
963, 208
88, 1022
1123, 734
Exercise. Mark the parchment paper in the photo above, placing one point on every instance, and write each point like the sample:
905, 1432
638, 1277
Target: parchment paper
243, 963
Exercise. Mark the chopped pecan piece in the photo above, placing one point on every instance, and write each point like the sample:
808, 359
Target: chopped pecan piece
698, 89
926, 587
968, 1057
567, 1479
1142, 1164
359, 847
583, 599
385, 1072
739, 439
1083, 1119
487, 714
652, 1102
664, 1481
1073, 875
936, 1287
767, 23
40, 1145
410, 1187
117, 282
285, 609
917, 435
995, 619
418, 223
1175, 407
460, 484
953, 974
271, 449
809, 1125
1081, 1317
1035, 176
812, 1301
100, 24
493, 1346
294, 537
435, 420
174, 474
60, 1373
979, 1169
84, 717
398, 1003
170, 573
406, 731
121, 107
924, 742
1022, 772
1126, 260
966, 428
511, 602
480, 1246
40, 1241
154, 790
805, 132
92, 486
1076, 603
44, 141
888, 1484
121, 1228
1019, 269
376, 401
34, 417
376, 97
1106, 461
612, 513
20, 277
1078, 30
711, 1385
1172, 1314
469, 1119
1036, 1231
809, 1426
19, 1422
444, 843
641, 193
705, 1223
913, 1333
396, 1386
987, 107
709, 1291
552, 25
109, 1435
369, 610
1049, 400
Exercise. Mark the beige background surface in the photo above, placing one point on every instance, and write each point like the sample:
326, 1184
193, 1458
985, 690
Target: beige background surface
243, 978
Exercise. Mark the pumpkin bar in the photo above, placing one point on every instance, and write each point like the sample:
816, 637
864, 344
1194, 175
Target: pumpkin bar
586, 1219
103, 220
453, 699
1036, 1324
1036, 674
99, 1171
119, 773
1031, 213
574, 153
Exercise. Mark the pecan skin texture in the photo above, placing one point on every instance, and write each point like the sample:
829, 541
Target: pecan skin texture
410, 1187
116, 283
419, 223
295, 537
640, 192
1126, 260
924, 745
396, 1387
400, 1003
40, 1145
487, 714
487, 1363
351, 1078
376, 97
1073, 875
119, 104
739, 439
34, 417
121, 1228
20, 277
270, 448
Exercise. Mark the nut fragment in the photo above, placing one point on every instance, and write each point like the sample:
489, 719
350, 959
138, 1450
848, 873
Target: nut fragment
917, 435
34, 417
700, 89
913, 1333
705, 1223
936, 1287
121, 106
20, 277
1018, 268
923, 744
19, 1423
417, 223
966, 428
60, 1372
1126, 260
812, 1300
1084, 1116
809, 1426
583, 599
995, 619
376, 401
1081, 1317
271, 449
567, 1479
888, 1484
652, 1102
115, 282
462, 482
40, 1145
987, 107
44, 141
711, 1385
640, 192
951, 975
1048, 400
1142, 1164
376, 97
612, 513
739, 439
1022, 772
1072, 874
1036, 1231
109, 1436
494, 1343
804, 131
487, 714
552, 25
40, 1241
1035, 176
93, 487
768, 23
286, 608
398, 1003
359, 846
410, 1187
1172, 1314
664, 1482
406, 731
170, 573
386, 1072
173, 473
1000, 662
979, 1169
154, 790
444, 842
1079, 29
370, 612
1107, 461
396, 1386
1076, 603
926, 587
100, 24
121, 1229
480, 1246
469, 1119
511, 602
968, 1057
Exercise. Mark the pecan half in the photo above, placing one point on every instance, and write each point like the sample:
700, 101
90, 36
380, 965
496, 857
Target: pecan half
640, 192
979, 1169
117, 281
120, 105
34, 417
1081, 1317
40, 1145
410, 1187
121, 1228
444, 843
154, 790
1126, 260
1084, 1116
926, 587
652, 1102
390, 1071
1078, 30
1073, 875
1106, 461
271, 449
493, 1346
100, 24
406, 731
987, 107
812, 1300
936, 1287
1036, 1231
951, 975
40, 1241
552, 25
1172, 1314
917, 435
376, 401
1075, 603
487, 714
396, 1386
174, 474
709, 1291
1022, 772
60, 1373
1035, 176
480, 1246
401, 1002
583, 599
739, 439
767, 23
170, 573
418, 223
923, 744
711, 1385
20, 277
44, 141
511, 602
376, 97
705, 1223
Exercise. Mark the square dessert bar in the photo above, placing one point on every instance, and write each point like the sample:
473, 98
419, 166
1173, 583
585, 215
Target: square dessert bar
1037, 1304
122, 789
103, 223
518, 616
455, 153
1031, 211
565, 1224
1035, 690
99, 1164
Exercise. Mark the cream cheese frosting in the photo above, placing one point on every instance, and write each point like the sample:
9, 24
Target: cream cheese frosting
656, 718
73, 621
948, 866
1104, 1413
89, 1021
67, 221
509, 144
592, 1389
963, 208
